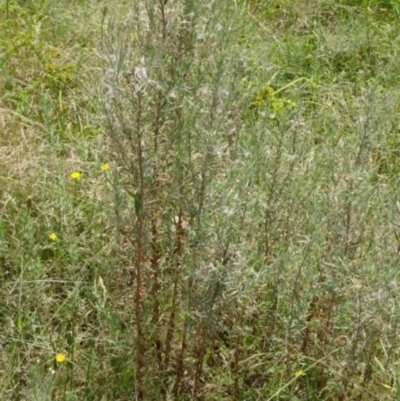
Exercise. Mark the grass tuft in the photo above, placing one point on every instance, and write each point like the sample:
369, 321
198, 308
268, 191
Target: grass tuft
198, 200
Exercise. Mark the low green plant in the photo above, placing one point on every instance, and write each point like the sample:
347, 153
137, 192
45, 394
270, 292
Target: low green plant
198, 201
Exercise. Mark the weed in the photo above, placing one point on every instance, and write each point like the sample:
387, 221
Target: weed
198, 200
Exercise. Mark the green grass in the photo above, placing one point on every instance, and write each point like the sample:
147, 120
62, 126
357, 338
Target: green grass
243, 243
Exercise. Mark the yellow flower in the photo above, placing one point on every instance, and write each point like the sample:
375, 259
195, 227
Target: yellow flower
105, 167
52, 236
298, 373
387, 386
75, 175
61, 358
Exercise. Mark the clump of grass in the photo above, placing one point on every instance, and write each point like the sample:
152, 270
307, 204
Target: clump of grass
234, 236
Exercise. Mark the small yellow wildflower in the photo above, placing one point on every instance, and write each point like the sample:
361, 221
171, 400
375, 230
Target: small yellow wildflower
61, 358
52, 236
298, 373
105, 167
387, 386
75, 175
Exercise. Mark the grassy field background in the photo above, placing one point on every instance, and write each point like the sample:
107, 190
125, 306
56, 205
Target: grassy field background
199, 201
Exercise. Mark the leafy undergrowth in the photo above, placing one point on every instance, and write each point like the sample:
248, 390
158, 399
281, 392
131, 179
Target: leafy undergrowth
199, 201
